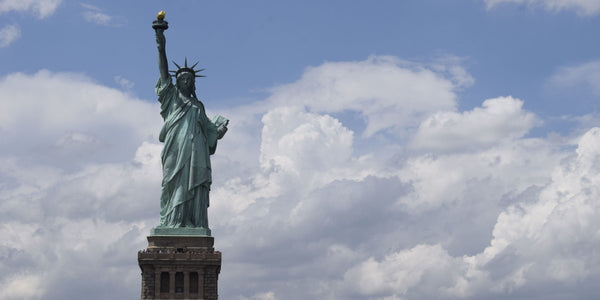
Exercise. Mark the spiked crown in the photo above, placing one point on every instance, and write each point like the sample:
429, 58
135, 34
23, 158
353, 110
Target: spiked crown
186, 69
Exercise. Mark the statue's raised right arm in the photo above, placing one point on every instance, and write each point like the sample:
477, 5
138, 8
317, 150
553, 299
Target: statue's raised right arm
163, 65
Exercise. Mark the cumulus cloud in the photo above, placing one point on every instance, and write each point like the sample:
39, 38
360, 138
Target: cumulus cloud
424, 267
41, 8
20, 286
581, 7
389, 93
409, 201
463, 205
72, 119
296, 141
456, 178
539, 246
497, 120
9, 34
75, 164
550, 239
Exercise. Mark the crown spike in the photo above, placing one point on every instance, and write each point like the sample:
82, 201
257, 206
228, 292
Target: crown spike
186, 68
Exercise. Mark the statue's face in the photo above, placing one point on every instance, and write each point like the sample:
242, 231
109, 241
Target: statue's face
185, 83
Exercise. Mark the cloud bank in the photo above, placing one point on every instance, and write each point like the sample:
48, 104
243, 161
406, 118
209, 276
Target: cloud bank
408, 198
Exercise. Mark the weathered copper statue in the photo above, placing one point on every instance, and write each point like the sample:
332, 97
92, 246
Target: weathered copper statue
189, 138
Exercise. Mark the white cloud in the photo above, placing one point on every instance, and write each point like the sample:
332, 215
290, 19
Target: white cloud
41, 8
463, 194
423, 267
301, 206
581, 7
304, 195
586, 75
290, 135
46, 254
512, 167
96, 15
264, 296
387, 92
125, 83
75, 164
498, 120
9, 34
550, 239
539, 246
22, 286
72, 119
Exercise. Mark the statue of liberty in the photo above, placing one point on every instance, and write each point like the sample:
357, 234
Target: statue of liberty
189, 138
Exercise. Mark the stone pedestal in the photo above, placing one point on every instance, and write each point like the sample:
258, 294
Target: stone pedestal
180, 267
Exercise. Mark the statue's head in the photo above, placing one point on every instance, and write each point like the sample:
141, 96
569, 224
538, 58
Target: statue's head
185, 82
186, 78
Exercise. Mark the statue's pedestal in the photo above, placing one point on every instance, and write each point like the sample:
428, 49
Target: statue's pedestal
180, 267
187, 231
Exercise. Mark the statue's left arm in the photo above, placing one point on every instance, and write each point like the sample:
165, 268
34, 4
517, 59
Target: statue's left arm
214, 130
221, 130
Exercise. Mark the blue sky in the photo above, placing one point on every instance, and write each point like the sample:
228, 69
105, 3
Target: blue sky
509, 49
376, 150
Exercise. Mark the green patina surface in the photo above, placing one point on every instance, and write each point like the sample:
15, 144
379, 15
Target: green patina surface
189, 138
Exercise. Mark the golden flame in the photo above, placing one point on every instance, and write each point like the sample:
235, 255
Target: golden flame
160, 15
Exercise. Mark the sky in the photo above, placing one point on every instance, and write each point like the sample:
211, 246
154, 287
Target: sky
389, 150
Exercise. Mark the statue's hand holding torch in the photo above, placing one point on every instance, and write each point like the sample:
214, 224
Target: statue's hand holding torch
159, 26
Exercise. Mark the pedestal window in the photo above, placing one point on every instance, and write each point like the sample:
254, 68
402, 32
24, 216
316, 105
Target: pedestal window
164, 282
193, 282
179, 282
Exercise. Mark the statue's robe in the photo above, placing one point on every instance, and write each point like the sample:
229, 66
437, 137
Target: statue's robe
189, 139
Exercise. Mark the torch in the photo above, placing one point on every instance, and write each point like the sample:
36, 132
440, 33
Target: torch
160, 22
